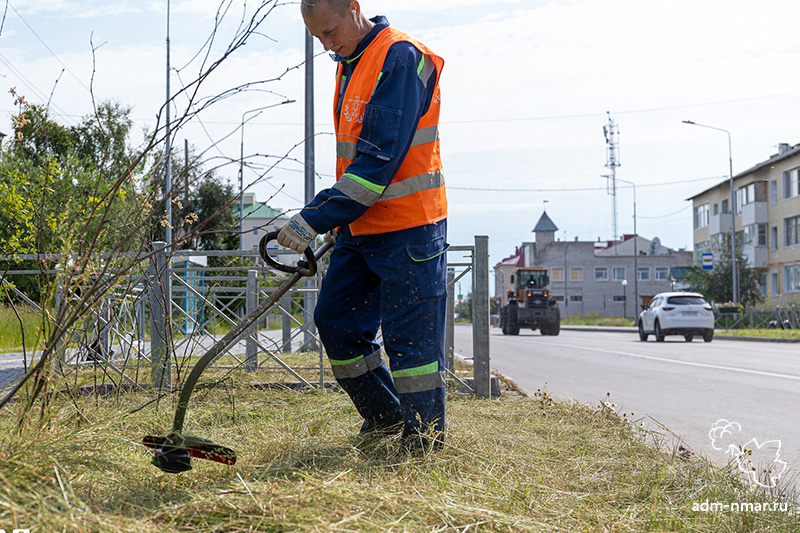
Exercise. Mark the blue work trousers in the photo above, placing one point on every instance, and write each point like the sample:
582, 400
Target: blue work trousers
396, 282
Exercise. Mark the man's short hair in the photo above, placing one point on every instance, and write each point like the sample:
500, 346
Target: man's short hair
307, 7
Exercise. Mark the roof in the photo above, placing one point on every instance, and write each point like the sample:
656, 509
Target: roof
777, 158
545, 224
681, 273
259, 210
517, 260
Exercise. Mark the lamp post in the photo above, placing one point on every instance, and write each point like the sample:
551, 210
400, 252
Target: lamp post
624, 298
734, 266
635, 248
241, 165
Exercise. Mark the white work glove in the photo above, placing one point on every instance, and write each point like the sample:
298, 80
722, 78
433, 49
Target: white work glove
297, 234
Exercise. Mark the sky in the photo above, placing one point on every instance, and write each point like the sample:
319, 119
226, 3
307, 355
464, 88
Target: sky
527, 88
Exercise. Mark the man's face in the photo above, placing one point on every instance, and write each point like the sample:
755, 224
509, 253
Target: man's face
337, 34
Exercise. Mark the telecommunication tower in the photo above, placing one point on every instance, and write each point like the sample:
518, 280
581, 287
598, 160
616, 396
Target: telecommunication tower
611, 133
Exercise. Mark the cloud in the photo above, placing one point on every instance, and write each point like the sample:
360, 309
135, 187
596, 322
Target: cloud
77, 9
426, 6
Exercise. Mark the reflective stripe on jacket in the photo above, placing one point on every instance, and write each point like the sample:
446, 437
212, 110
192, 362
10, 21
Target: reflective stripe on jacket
416, 194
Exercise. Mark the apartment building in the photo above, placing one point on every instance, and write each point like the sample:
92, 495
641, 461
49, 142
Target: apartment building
767, 222
598, 277
259, 218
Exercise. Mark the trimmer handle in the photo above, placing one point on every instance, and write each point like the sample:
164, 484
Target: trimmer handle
304, 268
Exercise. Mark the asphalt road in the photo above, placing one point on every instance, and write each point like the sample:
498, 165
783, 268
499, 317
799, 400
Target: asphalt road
686, 387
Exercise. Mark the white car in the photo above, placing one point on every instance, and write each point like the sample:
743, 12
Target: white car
677, 313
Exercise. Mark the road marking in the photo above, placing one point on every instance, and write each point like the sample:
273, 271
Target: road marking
679, 362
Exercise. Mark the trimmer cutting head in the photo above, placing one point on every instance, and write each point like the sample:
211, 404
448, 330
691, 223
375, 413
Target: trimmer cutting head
172, 460
174, 452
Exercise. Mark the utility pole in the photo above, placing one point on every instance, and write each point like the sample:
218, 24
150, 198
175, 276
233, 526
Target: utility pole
168, 150
309, 299
566, 275
186, 172
611, 132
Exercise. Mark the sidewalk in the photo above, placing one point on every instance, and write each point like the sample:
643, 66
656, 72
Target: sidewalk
12, 365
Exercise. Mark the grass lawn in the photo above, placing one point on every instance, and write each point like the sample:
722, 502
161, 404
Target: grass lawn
514, 464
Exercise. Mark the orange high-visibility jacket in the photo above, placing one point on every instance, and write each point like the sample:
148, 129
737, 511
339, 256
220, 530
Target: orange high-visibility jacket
416, 194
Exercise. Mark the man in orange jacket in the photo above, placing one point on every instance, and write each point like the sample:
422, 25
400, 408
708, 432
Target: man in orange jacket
388, 267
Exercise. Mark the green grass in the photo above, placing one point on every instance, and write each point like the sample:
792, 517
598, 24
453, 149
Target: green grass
594, 319
773, 333
11, 332
518, 464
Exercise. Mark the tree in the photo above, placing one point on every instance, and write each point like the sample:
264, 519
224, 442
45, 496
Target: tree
717, 284
202, 205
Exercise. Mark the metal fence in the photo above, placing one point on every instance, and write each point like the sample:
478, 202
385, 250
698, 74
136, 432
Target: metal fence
760, 318
183, 306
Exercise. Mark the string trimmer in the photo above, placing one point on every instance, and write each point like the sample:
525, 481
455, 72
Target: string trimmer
174, 451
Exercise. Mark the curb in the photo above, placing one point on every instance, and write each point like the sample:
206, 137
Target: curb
632, 330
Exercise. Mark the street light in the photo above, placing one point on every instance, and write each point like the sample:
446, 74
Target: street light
624, 298
734, 267
635, 248
241, 164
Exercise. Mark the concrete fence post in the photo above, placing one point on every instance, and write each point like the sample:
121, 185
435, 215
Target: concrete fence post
251, 300
480, 318
159, 293
449, 333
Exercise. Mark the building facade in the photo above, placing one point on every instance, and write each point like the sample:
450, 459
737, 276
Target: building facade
259, 219
597, 277
766, 215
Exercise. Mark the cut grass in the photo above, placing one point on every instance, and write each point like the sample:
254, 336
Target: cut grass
527, 465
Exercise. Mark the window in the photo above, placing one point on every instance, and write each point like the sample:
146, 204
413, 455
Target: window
559, 298
715, 210
724, 205
618, 273
755, 235
643, 273
773, 237
557, 274
701, 215
773, 192
792, 278
762, 285
601, 273
776, 287
575, 298
747, 234
791, 230
576, 273
791, 185
662, 273
618, 298
745, 195
255, 231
